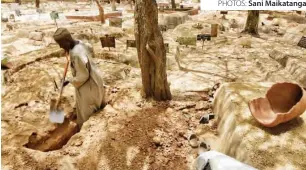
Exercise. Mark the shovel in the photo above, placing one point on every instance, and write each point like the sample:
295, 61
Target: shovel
56, 115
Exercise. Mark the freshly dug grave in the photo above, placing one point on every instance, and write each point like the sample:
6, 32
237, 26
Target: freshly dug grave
55, 139
113, 139
112, 136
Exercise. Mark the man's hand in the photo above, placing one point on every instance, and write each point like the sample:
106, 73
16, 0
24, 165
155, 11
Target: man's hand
67, 57
66, 82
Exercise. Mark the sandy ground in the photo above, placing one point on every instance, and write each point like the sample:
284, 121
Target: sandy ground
132, 133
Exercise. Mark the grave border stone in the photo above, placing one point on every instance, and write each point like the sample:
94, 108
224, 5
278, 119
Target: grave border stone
302, 42
130, 43
113, 22
187, 41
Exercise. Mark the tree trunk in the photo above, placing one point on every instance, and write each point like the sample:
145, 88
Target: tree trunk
151, 51
37, 3
131, 3
173, 4
113, 4
251, 26
101, 12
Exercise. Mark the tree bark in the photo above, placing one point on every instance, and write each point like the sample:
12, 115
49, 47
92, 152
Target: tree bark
173, 4
37, 3
151, 51
113, 4
18, 1
131, 3
101, 12
251, 26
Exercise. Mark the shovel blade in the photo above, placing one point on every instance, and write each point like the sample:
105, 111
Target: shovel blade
57, 116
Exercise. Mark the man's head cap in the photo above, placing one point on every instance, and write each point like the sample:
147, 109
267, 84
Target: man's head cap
61, 33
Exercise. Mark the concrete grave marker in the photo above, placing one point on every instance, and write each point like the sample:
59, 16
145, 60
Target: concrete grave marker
163, 28
270, 17
302, 42
4, 19
36, 35
214, 30
161, 8
186, 41
115, 22
130, 43
108, 41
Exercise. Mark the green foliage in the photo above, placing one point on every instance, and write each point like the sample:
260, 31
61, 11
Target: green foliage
54, 15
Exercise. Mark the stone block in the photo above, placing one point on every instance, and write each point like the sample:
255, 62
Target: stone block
115, 22
186, 40
37, 36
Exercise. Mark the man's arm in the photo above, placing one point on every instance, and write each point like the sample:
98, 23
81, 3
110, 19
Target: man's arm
90, 50
82, 72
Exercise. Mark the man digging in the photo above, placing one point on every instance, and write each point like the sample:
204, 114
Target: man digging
87, 80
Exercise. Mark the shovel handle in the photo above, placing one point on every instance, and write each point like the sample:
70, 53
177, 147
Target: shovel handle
62, 86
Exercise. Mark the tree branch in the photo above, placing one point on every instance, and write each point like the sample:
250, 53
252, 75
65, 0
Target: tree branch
177, 57
151, 53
